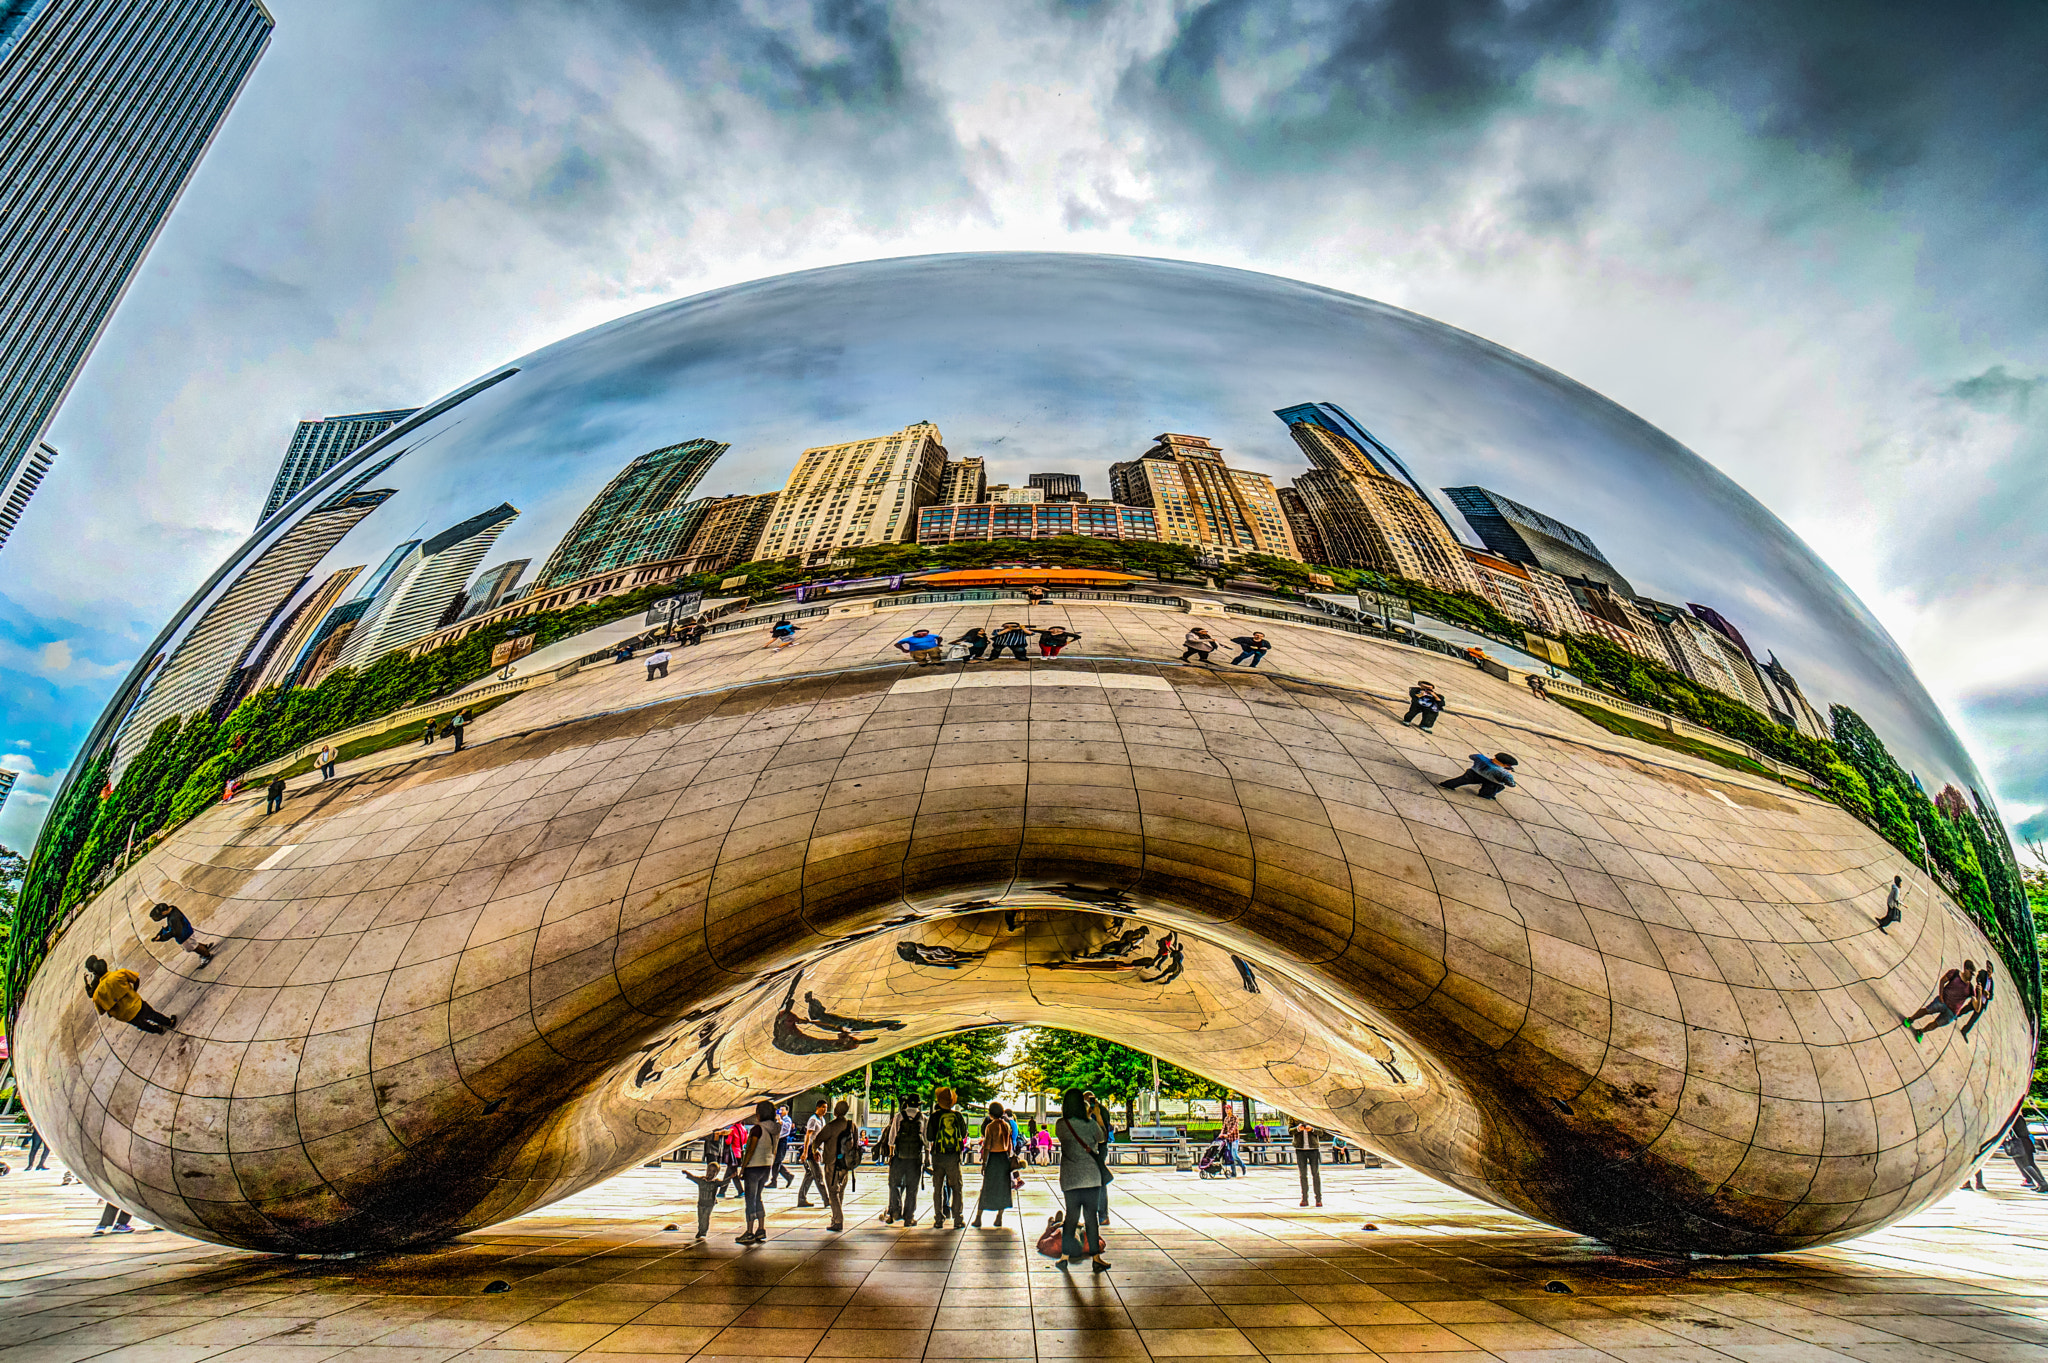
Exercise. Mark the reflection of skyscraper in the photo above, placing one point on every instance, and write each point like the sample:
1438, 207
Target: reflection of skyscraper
15, 491
1540, 600
1521, 534
1357, 443
1371, 521
1704, 655
323, 650
1203, 502
643, 515
1308, 540
963, 482
6, 786
318, 446
298, 632
419, 590
1058, 487
1805, 716
869, 491
494, 587
731, 529
105, 108
204, 661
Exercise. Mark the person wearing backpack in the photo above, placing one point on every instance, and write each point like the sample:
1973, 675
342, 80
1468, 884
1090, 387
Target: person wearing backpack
945, 1131
839, 1142
1082, 1177
903, 1146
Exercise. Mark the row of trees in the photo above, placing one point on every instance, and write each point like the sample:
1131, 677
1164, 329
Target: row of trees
1051, 1060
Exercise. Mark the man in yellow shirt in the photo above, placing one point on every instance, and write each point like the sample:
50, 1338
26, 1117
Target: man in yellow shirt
113, 992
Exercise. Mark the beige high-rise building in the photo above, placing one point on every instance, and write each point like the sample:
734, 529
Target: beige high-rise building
1002, 494
964, 482
1203, 502
729, 532
861, 492
1542, 601
1371, 521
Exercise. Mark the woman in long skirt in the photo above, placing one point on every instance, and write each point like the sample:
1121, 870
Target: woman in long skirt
998, 1158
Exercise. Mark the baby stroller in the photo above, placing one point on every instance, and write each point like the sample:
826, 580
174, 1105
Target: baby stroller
1210, 1165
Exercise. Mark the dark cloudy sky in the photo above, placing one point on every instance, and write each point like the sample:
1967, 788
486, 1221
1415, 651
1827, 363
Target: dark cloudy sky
1806, 240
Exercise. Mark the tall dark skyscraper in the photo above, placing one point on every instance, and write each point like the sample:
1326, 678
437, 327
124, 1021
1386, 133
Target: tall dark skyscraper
105, 108
318, 446
1378, 458
643, 515
1058, 487
1521, 534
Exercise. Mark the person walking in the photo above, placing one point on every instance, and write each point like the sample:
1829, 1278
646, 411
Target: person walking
976, 640
923, 646
707, 1188
945, 1134
781, 634
657, 664
839, 1151
1042, 1143
2019, 1145
810, 1156
1894, 901
757, 1162
427, 735
1082, 1176
273, 794
1254, 646
734, 1142
455, 726
1009, 635
1051, 641
998, 1160
1198, 645
114, 1221
178, 928
326, 760
1308, 1159
39, 1150
785, 1131
903, 1148
1424, 702
113, 993
1491, 774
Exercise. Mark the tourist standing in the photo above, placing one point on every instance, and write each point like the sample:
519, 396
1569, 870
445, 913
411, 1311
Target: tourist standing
1042, 1143
1051, 641
455, 727
1425, 702
1308, 1159
757, 1162
1082, 1177
945, 1133
785, 1130
326, 760
657, 663
976, 640
923, 646
274, 794
2019, 1144
1986, 981
1009, 635
1099, 1114
1254, 646
1198, 645
781, 634
707, 1188
1229, 1136
839, 1150
998, 1159
903, 1148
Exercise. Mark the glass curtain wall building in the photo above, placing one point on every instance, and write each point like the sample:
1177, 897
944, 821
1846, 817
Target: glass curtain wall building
318, 446
106, 107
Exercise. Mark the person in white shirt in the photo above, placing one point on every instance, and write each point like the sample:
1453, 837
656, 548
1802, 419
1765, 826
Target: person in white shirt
814, 1174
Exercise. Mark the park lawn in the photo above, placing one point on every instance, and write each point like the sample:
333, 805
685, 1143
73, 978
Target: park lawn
392, 738
1664, 738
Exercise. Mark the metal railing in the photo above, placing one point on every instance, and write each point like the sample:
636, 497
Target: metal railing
1005, 594
1361, 625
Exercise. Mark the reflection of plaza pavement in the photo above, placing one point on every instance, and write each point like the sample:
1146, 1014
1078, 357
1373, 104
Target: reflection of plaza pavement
1202, 1269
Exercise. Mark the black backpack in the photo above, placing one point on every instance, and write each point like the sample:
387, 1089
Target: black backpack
848, 1153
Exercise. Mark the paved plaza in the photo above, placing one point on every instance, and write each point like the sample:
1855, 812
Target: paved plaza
1202, 1270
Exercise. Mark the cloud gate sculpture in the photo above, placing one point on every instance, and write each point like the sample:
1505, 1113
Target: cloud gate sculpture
1653, 991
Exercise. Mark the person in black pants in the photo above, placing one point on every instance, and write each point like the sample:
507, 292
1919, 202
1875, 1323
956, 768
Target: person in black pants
2019, 1144
976, 640
1425, 702
1011, 635
1491, 774
1308, 1159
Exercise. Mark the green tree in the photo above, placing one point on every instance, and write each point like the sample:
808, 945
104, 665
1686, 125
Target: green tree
1111, 1071
966, 1062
